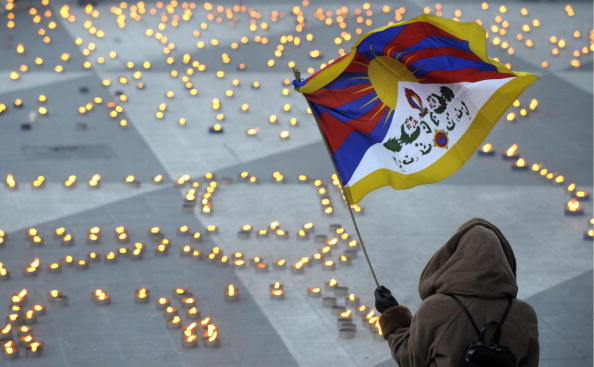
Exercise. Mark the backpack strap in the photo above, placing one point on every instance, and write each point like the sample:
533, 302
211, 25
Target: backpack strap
497, 334
474, 326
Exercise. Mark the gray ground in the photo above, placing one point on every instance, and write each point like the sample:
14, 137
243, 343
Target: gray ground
402, 228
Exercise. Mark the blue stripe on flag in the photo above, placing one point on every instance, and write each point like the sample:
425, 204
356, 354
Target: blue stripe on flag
449, 63
346, 80
437, 42
351, 152
352, 110
378, 41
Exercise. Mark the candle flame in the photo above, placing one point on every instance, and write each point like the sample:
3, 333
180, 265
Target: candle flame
573, 205
231, 290
511, 151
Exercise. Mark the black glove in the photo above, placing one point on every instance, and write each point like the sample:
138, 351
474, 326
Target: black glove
384, 299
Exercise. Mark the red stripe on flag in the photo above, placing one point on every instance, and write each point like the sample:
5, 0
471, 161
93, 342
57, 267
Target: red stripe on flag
336, 131
414, 33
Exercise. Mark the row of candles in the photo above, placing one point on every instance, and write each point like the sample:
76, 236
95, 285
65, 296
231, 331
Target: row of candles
573, 207
16, 336
215, 255
344, 313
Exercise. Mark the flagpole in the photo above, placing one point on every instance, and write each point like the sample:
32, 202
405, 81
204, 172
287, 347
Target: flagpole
297, 75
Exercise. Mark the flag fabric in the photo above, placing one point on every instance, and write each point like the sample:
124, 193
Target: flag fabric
410, 104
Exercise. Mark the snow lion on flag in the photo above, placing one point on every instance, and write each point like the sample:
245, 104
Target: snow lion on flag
410, 103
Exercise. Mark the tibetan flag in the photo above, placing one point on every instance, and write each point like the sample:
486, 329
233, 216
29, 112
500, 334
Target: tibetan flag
410, 104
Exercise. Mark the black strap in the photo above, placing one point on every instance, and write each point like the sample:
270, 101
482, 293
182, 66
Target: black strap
498, 330
476, 329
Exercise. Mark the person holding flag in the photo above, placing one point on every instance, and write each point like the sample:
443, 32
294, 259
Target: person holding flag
409, 105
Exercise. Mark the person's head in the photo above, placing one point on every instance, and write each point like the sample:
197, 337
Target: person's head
476, 261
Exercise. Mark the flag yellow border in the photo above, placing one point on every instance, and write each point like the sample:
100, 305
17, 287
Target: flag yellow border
474, 33
456, 156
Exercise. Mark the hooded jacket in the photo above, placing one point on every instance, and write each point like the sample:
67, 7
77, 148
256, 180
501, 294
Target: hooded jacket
478, 265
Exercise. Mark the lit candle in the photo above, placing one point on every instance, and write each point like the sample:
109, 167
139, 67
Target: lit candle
511, 152
210, 337
277, 291
10, 350
100, 297
30, 317
297, 268
231, 293
180, 293
193, 313
573, 207
280, 263
581, 195
162, 302
169, 312
362, 310
40, 309
174, 322
261, 268
110, 257
6, 332
189, 341
82, 264
344, 319
520, 165
352, 300
56, 297
188, 302
244, 232
142, 295
314, 292
329, 285
328, 265
34, 349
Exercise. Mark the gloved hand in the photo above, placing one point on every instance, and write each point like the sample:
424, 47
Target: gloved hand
384, 299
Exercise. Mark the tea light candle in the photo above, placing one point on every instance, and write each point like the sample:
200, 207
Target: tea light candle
320, 238
14, 318
340, 291
297, 268
169, 312
82, 264
231, 293
10, 350
57, 298
345, 319
314, 292
186, 251
174, 322
100, 297
34, 349
277, 293
262, 233
280, 263
210, 337
30, 317
189, 341
6, 332
193, 313
352, 300
328, 301
24, 330
245, 231
162, 302
142, 295
573, 207
239, 263
4, 273
40, 309
110, 257
261, 268
520, 165
486, 150
179, 293
188, 302
329, 285
336, 309
25, 340
362, 310
581, 195
511, 152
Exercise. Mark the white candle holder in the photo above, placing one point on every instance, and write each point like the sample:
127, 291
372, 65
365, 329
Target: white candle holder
320, 238
314, 292
231, 293
277, 294
352, 300
328, 301
347, 332
57, 298
340, 291
142, 296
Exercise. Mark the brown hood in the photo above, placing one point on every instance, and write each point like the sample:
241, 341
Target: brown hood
477, 261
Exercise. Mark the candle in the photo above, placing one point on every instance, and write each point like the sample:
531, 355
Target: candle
188, 302
262, 233
511, 152
344, 319
193, 313
4, 273
25, 340
6, 332
581, 195
239, 263
328, 301
40, 309
174, 322
189, 341
169, 312
362, 310
245, 231
100, 297
320, 238
352, 300
589, 234
340, 291
179, 293
82, 264
10, 350
231, 293
110, 257
520, 165
486, 150
329, 285
280, 263
14, 318
210, 337
314, 292
297, 268
93, 256
142, 295
573, 207
161, 303
34, 349
24, 330
30, 317
56, 297
186, 251
328, 265
261, 268
347, 332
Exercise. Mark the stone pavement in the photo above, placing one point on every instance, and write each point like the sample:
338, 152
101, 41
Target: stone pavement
402, 228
